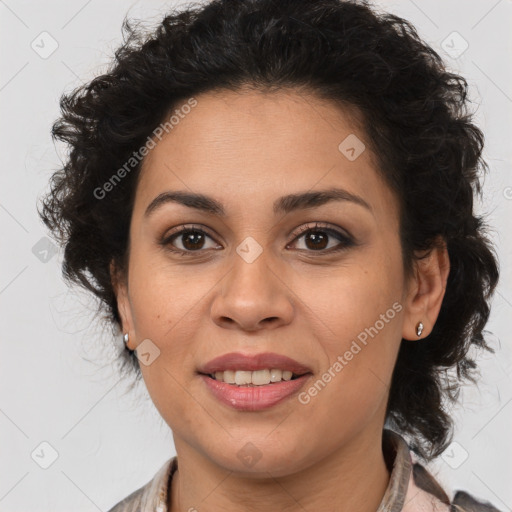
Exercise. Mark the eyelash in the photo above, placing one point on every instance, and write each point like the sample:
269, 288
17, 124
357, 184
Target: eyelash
345, 240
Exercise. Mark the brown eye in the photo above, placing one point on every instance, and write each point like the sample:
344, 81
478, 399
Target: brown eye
317, 238
188, 240
192, 240
322, 239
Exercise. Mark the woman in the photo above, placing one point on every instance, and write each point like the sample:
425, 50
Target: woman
274, 203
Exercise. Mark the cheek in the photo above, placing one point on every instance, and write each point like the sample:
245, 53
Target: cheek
349, 299
165, 306
360, 306
352, 387
164, 295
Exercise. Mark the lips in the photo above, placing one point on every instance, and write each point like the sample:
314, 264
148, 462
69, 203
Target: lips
257, 398
238, 361
249, 397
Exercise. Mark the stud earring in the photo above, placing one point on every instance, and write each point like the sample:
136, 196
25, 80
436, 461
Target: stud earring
125, 339
419, 329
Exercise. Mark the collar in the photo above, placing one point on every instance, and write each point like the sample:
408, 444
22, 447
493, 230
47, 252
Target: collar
411, 487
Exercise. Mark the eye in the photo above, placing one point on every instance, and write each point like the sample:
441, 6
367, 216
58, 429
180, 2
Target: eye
191, 239
316, 238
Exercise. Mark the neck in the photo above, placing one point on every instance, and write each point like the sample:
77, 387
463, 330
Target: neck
355, 477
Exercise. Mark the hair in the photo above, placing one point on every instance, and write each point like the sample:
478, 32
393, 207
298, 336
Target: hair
415, 117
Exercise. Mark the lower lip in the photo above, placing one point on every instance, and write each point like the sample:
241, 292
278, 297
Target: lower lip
254, 398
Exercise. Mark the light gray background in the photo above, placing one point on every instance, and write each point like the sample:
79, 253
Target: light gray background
51, 388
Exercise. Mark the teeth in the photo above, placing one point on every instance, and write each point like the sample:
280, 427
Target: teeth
276, 375
227, 376
256, 378
260, 377
242, 378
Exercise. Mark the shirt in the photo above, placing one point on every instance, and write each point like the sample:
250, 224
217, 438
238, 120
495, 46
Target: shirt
411, 487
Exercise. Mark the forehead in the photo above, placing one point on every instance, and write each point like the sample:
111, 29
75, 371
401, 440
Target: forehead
247, 147
258, 126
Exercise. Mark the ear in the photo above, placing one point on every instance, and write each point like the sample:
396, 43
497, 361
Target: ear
120, 287
426, 289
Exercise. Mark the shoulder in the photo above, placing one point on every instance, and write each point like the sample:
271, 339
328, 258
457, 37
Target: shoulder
461, 502
152, 496
132, 502
413, 488
465, 502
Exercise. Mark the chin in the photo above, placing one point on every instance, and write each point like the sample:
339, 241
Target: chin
258, 457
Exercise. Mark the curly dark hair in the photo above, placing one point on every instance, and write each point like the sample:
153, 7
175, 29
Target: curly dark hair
415, 116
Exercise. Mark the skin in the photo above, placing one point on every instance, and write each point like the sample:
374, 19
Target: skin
246, 149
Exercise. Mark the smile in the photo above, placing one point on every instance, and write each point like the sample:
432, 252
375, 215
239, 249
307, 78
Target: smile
251, 397
253, 378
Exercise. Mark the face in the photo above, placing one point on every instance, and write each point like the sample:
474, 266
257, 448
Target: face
320, 282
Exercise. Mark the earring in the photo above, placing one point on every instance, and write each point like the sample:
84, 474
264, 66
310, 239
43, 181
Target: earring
125, 339
419, 329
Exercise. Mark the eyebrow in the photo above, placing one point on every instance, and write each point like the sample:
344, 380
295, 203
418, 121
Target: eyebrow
285, 204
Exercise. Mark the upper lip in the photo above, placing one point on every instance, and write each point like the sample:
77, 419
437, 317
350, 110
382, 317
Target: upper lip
267, 360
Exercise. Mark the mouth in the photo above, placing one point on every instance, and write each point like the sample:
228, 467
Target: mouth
251, 397
240, 364
253, 382
248, 378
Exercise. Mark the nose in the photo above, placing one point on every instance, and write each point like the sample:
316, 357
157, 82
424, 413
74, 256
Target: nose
253, 296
